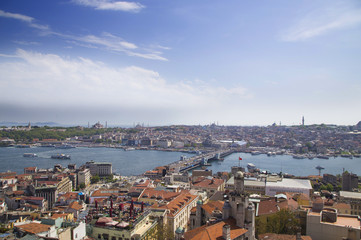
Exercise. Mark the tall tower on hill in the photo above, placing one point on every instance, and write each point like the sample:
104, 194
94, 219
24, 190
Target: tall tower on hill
303, 121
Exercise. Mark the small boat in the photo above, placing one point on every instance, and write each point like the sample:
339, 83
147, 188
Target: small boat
30, 155
298, 157
256, 153
322, 157
129, 149
60, 156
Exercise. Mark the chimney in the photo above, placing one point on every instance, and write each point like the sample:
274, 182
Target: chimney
226, 232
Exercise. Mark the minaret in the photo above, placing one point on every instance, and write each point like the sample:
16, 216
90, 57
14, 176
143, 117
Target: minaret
303, 121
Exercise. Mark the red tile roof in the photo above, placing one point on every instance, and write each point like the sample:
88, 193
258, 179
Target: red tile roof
209, 183
34, 228
215, 231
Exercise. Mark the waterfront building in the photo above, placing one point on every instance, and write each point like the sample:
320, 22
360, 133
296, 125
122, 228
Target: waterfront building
164, 143
84, 177
99, 168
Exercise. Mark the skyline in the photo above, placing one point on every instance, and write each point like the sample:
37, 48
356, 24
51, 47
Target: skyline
180, 62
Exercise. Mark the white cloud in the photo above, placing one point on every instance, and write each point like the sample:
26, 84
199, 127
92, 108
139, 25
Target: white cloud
23, 18
111, 5
113, 43
45, 80
322, 21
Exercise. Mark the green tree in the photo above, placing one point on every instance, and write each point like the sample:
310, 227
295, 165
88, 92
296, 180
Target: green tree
283, 222
95, 179
82, 186
329, 187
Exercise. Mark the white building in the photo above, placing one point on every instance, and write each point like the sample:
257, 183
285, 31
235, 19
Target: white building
289, 185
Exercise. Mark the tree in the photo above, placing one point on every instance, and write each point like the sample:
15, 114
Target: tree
283, 222
164, 233
82, 186
329, 187
95, 179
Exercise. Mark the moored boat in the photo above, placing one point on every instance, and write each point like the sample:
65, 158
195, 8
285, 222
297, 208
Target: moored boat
60, 156
30, 155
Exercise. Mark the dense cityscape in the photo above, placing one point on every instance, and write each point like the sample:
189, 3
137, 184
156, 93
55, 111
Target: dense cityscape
183, 199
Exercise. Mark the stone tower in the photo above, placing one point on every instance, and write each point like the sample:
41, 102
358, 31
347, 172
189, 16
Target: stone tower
239, 207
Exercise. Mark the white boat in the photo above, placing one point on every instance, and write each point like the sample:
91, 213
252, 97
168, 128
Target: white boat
251, 166
129, 149
256, 153
30, 155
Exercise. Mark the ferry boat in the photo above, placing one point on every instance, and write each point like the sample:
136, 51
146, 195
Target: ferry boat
60, 156
30, 155
322, 157
251, 166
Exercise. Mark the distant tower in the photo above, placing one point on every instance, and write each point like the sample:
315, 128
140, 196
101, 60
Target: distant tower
29, 125
106, 124
88, 125
303, 121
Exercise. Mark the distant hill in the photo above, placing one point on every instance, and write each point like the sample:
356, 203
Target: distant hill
40, 124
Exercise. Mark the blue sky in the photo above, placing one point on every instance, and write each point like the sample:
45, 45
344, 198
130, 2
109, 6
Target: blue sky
180, 62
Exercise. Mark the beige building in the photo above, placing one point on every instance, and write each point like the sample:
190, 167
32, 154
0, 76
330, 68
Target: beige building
352, 198
65, 185
84, 177
179, 210
326, 223
145, 229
